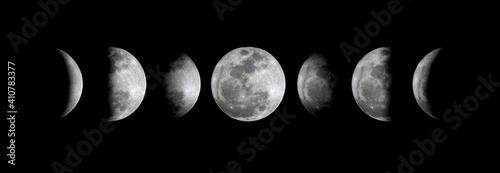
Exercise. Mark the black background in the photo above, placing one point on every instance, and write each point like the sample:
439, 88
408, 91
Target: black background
205, 139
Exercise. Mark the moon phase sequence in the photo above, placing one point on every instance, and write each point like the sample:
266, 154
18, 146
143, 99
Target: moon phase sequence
371, 83
248, 84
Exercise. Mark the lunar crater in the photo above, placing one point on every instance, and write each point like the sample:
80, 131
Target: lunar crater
243, 52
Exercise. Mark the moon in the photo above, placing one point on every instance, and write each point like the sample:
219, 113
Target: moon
76, 82
420, 81
127, 83
371, 83
182, 84
248, 84
315, 84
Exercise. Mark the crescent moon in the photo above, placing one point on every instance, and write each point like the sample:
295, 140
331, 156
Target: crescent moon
420, 81
371, 83
127, 83
76, 82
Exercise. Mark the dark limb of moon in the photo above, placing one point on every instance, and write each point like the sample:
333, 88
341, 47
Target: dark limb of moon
371, 83
76, 82
127, 83
248, 84
421, 79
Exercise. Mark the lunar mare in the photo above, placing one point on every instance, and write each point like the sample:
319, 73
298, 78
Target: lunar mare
315, 84
127, 83
248, 84
371, 83
420, 81
182, 84
76, 82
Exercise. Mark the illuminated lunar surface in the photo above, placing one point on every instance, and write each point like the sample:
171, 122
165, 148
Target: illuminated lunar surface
182, 84
315, 84
76, 82
371, 83
420, 81
248, 84
127, 83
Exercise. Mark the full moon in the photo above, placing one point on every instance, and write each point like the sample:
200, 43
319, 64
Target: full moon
248, 84
371, 83
315, 84
127, 83
420, 81
182, 84
76, 82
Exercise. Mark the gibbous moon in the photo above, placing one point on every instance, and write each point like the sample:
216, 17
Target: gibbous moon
248, 84
420, 81
76, 82
127, 83
182, 84
315, 84
371, 83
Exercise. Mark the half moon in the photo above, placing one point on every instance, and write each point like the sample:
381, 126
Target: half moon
127, 83
75, 82
371, 82
421, 79
182, 85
